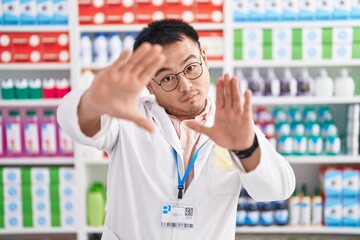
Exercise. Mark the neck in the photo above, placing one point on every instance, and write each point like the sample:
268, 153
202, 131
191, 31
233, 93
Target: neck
192, 116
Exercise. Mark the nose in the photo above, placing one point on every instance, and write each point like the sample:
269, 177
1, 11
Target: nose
184, 83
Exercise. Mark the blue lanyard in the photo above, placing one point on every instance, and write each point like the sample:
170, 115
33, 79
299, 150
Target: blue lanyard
181, 181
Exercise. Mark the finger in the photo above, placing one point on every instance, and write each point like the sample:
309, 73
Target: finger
227, 88
143, 122
248, 103
138, 57
236, 96
220, 93
153, 64
124, 56
199, 128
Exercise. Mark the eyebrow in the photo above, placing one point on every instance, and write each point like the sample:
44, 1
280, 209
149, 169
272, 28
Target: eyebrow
183, 62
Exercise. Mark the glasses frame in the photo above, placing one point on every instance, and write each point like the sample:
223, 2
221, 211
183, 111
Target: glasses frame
177, 74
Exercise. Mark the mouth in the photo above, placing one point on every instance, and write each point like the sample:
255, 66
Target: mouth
188, 98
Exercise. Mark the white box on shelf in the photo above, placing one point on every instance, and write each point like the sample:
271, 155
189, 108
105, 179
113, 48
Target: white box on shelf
41, 206
333, 212
66, 175
11, 175
67, 191
45, 12
282, 51
342, 51
252, 35
342, 35
333, 183
311, 35
241, 10
11, 11
325, 9
12, 191
41, 221
351, 183
355, 9
68, 220
28, 11
273, 10
351, 212
13, 207
307, 9
40, 191
67, 207
342, 9
291, 10
40, 175
281, 35
13, 221
257, 11
252, 52
312, 51
61, 13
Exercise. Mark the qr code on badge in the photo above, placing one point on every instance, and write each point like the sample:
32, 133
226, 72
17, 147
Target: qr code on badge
189, 212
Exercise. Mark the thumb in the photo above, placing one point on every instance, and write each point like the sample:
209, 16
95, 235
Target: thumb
199, 127
143, 122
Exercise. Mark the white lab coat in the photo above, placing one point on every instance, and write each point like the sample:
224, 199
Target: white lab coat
142, 176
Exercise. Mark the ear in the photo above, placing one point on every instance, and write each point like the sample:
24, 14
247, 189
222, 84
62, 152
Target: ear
149, 88
203, 55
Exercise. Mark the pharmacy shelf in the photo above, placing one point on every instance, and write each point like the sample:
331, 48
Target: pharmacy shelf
297, 24
138, 27
30, 103
34, 28
103, 161
34, 66
298, 230
33, 231
34, 161
96, 67
308, 100
296, 63
323, 159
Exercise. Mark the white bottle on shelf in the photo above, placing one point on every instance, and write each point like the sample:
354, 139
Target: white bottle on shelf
128, 41
305, 83
114, 46
288, 84
344, 85
100, 49
86, 51
256, 83
324, 85
242, 80
272, 84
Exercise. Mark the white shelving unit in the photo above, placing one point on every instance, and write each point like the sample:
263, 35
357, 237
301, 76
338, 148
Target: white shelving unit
84, 168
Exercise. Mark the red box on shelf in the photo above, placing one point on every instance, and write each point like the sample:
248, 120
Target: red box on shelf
179, 11
209, 11
212, 42
6, 51
90, 14
55, 47
119, 14
147, 12
27, 47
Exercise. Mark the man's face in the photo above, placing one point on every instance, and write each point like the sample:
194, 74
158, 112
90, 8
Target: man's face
188, 99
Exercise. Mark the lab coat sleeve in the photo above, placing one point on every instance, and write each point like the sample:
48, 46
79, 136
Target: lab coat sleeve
68, 120
273, 179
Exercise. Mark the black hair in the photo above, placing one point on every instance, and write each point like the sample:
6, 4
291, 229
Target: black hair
166, 32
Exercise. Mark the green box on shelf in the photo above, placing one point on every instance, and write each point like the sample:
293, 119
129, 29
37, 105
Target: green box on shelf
296, 35
2, 215
25, 176
238, 36
327, 51
54, 175
56, 219
28, 220
296, 52
267, 52
267, 36
356, 50
238, 53
327, 36
357, 86
54, 192
356, 34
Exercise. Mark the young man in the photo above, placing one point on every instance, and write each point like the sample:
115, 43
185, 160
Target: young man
177, 160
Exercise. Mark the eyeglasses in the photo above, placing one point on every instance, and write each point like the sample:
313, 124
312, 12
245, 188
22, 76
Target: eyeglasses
171, 81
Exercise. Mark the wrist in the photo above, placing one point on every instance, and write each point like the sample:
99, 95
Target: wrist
247, 152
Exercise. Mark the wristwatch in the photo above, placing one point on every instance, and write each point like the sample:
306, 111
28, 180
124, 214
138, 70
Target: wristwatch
248, 152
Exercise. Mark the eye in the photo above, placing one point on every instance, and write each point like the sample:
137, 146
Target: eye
168, 78
191, 67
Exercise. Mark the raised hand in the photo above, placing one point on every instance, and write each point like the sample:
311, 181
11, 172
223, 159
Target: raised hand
116, 89
233, 126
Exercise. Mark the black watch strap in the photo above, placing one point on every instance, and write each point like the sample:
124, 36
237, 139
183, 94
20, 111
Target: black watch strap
248, 152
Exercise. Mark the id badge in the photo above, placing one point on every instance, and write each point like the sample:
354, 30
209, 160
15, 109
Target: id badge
177, 215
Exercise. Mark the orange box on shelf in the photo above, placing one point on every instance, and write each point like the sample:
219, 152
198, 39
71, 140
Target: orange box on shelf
55, 47
119, 14
90, 14
26, 47
6, 51
180, 11
208, 11
212, 42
